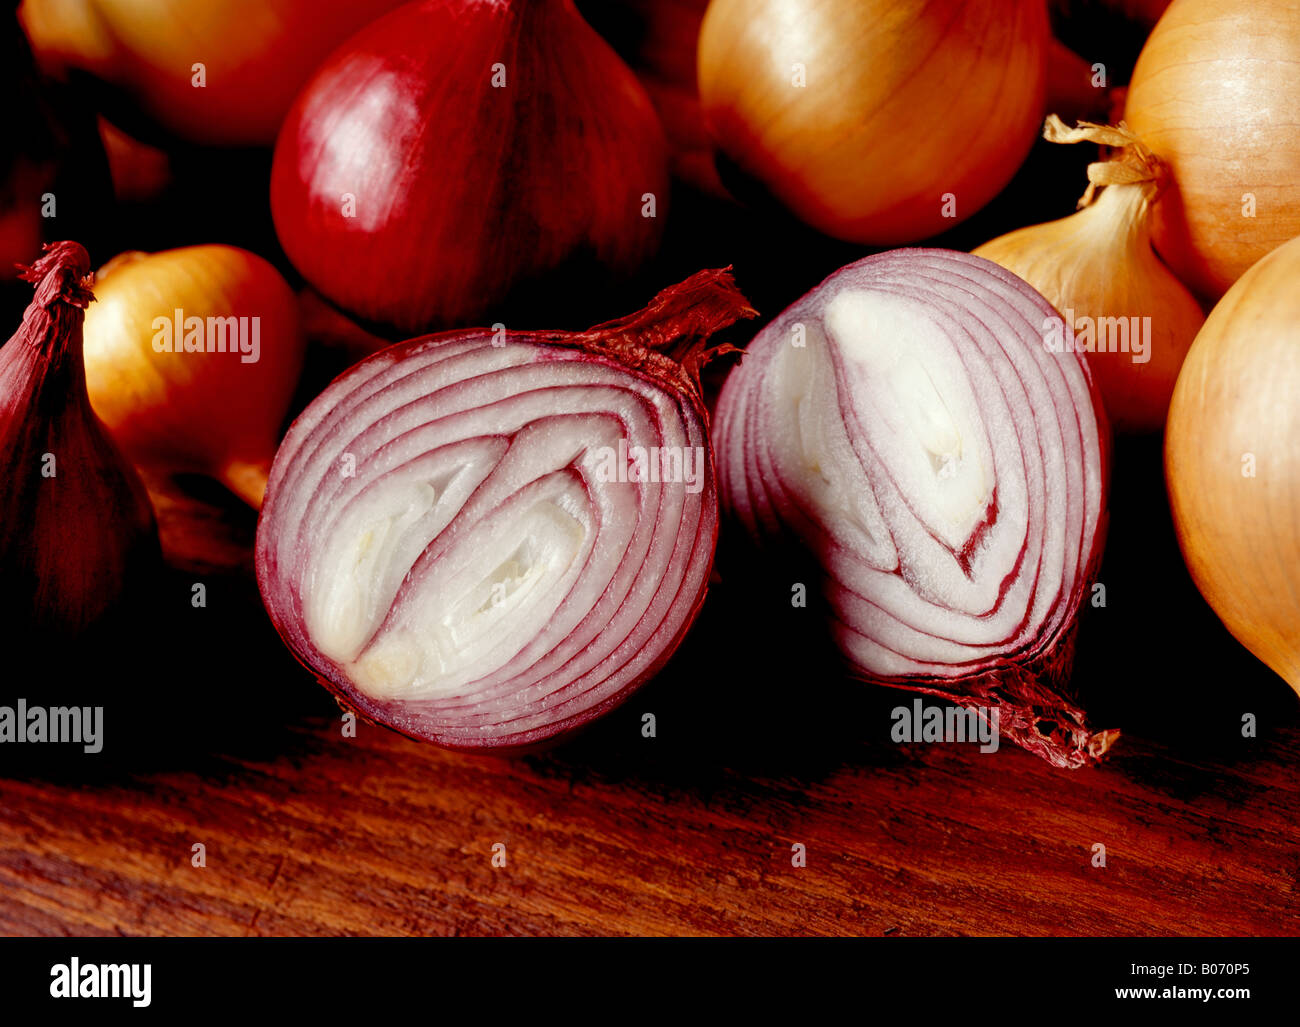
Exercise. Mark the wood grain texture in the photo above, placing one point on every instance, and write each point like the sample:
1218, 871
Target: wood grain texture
381, 835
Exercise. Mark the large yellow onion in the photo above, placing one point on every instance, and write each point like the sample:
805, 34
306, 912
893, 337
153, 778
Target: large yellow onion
1233, 463
1215, 93
877, 121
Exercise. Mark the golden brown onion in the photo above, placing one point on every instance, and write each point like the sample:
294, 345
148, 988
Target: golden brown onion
1215, 93
1121, 305
192, 357
863, 116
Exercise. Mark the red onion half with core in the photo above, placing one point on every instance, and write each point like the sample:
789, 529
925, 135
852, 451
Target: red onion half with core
912, 422
486, 539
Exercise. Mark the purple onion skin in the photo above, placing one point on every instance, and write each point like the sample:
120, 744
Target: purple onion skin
983, 309
530, 413
76, 548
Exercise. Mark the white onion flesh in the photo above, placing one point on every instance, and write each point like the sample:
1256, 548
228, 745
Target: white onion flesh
477, 581
947, 469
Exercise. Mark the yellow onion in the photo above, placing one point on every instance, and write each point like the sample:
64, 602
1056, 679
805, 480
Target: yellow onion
877, 121
210, 71
1120, 304
1215, 92
195, 411
1233, 464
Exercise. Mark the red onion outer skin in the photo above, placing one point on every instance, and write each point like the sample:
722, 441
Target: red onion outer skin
73, 545
1038, 429
509, 436
464, 191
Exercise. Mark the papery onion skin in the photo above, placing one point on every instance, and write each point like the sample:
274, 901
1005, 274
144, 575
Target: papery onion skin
905, 102
1210, 94
1098, 264
794, 414
209, 413
1233, 465
411, 192
448, 420
256, 54
77, 533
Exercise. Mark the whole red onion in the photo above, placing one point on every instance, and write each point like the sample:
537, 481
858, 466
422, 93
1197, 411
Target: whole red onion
486, 539
77, 532
909, 421
456, 149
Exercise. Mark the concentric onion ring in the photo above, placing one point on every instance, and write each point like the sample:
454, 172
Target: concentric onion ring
948, 470
446, 543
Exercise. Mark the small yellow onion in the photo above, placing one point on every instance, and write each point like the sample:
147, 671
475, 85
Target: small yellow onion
1233, 465
196, 410
1215, 92
1097, 267
877, 121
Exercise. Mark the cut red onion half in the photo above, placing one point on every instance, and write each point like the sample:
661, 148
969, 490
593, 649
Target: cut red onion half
488, 539
910, 421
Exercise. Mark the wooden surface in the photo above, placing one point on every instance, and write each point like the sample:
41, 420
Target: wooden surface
380, 835
759, 746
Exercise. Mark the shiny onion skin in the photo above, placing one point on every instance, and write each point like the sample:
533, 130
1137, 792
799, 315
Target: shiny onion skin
256, 56
1232, 463
947, 472
213, 413
1214, 93
479, 581
905, 101
411, 192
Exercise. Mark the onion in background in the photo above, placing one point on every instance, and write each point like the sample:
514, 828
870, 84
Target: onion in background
190, 408
455, 150
77, 534
1098, 268
256, 54
1233, 463
1215, 93
861, 116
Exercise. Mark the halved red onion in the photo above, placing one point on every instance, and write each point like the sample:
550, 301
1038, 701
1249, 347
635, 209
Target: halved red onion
487, 539
911, 422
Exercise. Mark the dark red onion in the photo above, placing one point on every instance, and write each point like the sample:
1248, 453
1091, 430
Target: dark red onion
77, 531
479, 581
947, 470
456, 151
